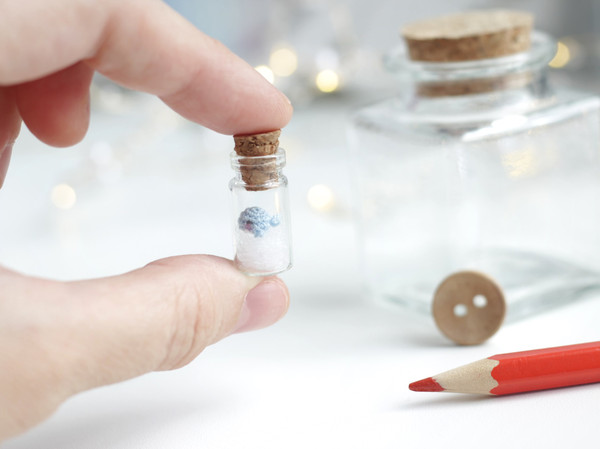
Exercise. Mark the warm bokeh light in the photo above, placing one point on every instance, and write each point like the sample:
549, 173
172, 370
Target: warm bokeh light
520, 163
320, 197
327, 81
283, 62
63, 196
266, 72
561, 57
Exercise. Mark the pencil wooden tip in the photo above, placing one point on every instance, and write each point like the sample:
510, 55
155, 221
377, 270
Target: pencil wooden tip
428, 384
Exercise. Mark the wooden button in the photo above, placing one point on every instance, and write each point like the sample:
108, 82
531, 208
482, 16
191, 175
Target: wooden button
468, 307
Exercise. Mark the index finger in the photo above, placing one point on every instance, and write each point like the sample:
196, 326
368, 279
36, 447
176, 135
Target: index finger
143, 45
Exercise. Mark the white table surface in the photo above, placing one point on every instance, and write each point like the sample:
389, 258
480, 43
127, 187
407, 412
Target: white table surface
333, 374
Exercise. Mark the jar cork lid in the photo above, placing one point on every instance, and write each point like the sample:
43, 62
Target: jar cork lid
469, 36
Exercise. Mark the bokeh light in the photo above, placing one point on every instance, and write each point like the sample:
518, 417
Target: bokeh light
327, 81
266, 72
321, 198
283, 62
561, 57
63, 196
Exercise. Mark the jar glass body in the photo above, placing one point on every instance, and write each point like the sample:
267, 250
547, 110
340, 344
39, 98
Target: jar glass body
261, 218
504, 181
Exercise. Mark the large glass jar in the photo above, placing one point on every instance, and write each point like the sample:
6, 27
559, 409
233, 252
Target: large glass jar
480, 165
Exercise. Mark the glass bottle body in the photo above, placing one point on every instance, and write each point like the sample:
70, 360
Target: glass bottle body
506, 182
261, 217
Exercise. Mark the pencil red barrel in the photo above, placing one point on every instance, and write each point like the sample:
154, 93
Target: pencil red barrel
547, 368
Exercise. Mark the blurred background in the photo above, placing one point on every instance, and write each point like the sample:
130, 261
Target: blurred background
294, 41
146, 184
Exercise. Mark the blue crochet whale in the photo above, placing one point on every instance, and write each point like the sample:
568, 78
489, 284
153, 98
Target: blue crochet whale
257, 221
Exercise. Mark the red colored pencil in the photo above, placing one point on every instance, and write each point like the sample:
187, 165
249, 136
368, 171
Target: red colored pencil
518, 372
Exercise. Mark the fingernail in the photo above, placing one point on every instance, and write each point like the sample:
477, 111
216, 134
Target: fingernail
264, 305
4, 160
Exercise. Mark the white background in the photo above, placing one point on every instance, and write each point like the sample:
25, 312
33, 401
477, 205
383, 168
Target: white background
333, 374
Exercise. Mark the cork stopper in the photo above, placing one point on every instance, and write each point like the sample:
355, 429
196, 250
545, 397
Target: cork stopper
469, 36
258, 163
263, 144
468, 307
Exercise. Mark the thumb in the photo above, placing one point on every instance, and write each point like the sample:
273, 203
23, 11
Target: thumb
60, 338
162, 316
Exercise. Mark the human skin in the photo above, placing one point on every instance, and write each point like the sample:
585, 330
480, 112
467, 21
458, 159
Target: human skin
61, 338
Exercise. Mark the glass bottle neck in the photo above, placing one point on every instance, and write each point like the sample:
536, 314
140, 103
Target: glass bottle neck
259, 172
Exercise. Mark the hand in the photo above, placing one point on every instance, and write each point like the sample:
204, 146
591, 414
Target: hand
57, 338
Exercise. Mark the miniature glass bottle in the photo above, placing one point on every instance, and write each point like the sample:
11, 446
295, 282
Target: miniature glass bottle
261, 216
480, 165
